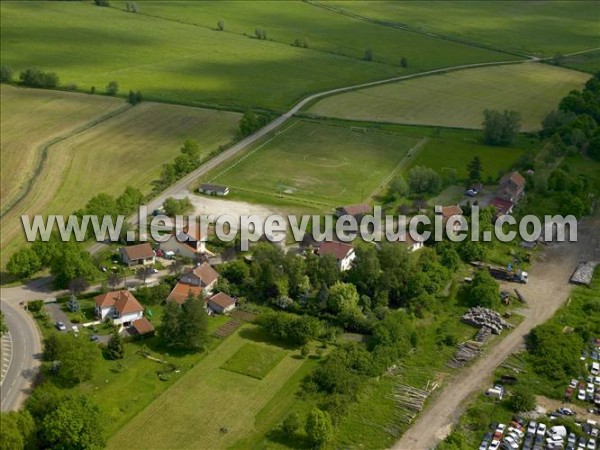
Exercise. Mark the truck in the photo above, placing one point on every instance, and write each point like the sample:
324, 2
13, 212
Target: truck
504, 273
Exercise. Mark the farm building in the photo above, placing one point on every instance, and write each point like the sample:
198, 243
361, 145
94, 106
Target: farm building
119, 306
511, 187
343, 253
449, 211
186, 243
138, 254
221, 303
357, 211
182, 291
213, 189
502, 206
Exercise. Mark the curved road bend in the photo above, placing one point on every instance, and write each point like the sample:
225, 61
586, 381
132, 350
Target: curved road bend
25, 335
25, 356
548, 289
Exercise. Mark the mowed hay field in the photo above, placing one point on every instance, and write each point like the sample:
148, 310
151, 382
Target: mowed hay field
458, 98
323, 163
127, 149
170, 60
51, 114
531, 26
191, 413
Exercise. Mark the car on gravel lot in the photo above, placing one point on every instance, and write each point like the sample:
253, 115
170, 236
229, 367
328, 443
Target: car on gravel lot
61, 326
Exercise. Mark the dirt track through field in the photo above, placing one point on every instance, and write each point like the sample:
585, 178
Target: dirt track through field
547, 290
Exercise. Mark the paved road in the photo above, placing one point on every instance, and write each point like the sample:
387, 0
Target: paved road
548, 289
26, 355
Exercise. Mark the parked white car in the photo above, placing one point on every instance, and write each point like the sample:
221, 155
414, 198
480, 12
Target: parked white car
494, 445
581, 394
541, 429
531, 427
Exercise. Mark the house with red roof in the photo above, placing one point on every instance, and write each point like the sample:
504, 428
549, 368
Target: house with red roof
138, 254
358, 210
451, 212
343, 253
203, 275
121, 307
188, 243
182, 291
221, 303
511, 187
502, 206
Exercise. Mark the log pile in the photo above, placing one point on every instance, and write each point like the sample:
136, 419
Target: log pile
465, 352
584, 273
484, 317
483, 333
410, 400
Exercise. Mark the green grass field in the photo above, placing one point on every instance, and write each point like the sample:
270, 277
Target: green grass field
127, 149
532, 27
169, 60
324, 163
52, 114
193, 411
457, 99
254, 360
586, 62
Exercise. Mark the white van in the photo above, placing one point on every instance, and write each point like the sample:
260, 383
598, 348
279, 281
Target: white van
595, 368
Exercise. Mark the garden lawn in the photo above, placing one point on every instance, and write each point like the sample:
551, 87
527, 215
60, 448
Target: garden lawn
254, 360
458, 99
209, 399
325, 163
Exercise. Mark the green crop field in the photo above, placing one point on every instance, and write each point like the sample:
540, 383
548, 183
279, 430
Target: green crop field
208, 398
254, 360
52, 114
457, 99
324, 163
586, 62
126, 149
532, 27
170, 60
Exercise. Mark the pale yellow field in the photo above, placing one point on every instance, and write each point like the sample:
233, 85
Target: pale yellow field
126, 149
32, 118
457, 99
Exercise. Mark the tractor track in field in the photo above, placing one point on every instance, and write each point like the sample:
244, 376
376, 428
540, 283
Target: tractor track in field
44, 148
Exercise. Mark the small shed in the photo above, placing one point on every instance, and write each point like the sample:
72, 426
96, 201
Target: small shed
213, 189
221, 303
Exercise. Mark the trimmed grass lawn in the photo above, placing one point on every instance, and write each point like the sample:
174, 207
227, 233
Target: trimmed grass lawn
254, 360
126, 149
194, 410
51, 114
536, 27
458, 99
123, 388
326, 163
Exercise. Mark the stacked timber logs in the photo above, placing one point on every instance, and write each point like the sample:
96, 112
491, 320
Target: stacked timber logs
484, 317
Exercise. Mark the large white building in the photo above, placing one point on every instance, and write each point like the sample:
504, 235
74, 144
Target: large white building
121, 307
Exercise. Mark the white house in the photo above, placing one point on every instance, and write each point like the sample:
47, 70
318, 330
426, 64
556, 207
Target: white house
411, 244
221, 303
185, 243
119, 306
343, 253
138, 254
213, 189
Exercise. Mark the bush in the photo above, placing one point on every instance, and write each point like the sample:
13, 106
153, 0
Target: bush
522, 401
38, 78
6, 74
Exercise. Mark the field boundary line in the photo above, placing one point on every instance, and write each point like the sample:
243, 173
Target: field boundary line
43, 149
247, 155
413, 151
287, 196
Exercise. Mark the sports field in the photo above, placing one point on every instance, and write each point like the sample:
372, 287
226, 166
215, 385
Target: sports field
171, 60
531, 27
457, 99
56, 114
208, 399
323, 163
126, 149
